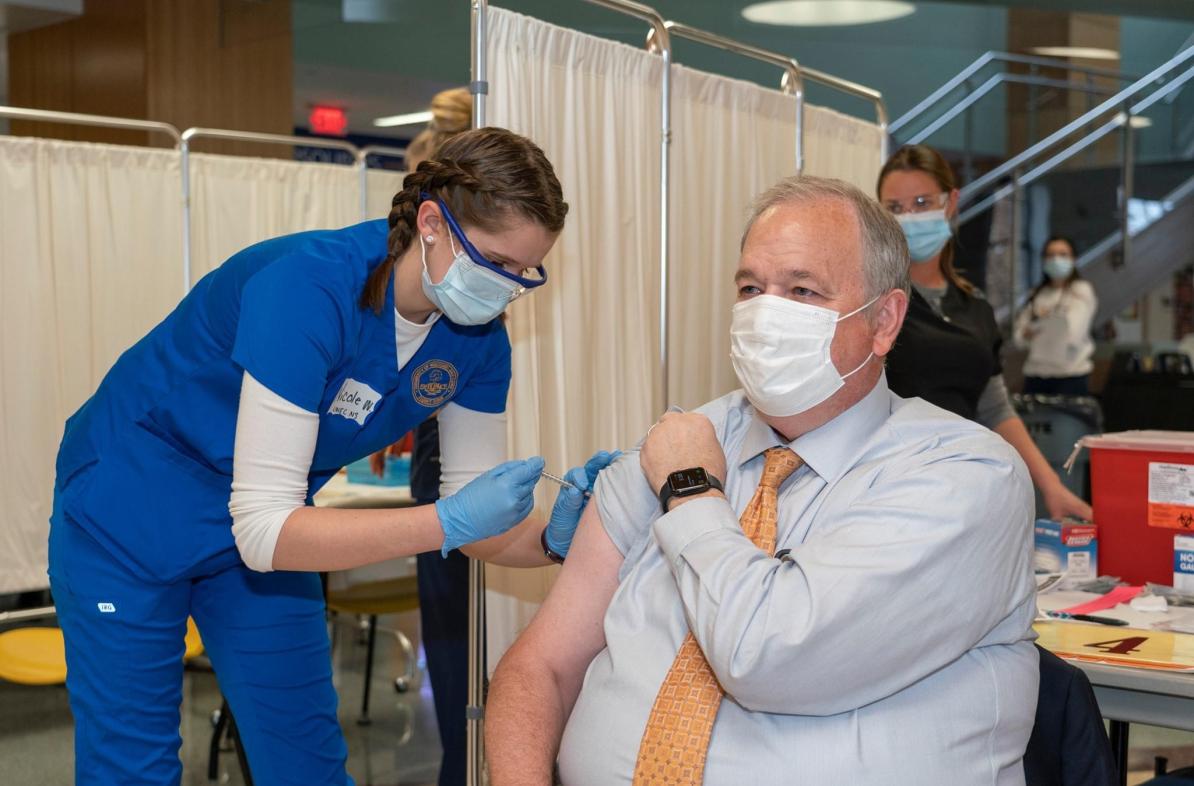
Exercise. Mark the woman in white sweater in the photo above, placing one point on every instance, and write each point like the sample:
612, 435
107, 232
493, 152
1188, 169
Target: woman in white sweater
1055, 326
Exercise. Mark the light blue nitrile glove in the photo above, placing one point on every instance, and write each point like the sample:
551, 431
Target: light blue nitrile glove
489, 504
570, 503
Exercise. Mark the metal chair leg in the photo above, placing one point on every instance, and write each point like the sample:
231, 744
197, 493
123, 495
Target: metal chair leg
241, 757
1119, 748
410, 673
364, 719
219, 723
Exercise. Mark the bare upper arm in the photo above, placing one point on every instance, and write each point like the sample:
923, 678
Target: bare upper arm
567, 631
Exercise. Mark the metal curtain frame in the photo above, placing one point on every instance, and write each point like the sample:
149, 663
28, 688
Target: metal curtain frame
184, 148
792, 82
475, 709
859, 91
182, 145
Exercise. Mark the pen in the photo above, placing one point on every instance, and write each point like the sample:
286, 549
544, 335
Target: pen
560, 481
1061, 615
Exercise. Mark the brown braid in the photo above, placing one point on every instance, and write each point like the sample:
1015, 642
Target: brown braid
486, 177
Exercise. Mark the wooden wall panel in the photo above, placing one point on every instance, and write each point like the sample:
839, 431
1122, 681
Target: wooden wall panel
222, 64
213, 63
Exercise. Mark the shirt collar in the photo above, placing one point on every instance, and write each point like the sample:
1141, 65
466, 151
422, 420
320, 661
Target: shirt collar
828, 449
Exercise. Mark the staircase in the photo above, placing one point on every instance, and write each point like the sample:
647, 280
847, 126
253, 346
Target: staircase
1132, 217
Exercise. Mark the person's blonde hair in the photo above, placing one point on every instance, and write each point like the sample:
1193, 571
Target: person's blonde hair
451, 113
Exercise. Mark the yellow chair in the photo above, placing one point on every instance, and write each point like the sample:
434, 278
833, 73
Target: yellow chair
37, 656
389, 596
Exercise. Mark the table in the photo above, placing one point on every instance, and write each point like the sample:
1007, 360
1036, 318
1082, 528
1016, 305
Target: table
1128, 694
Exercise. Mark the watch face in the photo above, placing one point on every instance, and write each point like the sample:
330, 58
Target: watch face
687, 480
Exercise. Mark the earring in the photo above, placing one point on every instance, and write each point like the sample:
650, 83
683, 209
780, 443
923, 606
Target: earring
431, 238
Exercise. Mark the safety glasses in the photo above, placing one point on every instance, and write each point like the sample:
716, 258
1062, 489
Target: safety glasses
918, 204
526, 282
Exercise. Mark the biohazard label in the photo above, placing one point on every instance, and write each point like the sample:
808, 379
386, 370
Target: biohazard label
1171, 495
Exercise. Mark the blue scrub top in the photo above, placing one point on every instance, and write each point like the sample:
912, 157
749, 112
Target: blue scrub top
145, 465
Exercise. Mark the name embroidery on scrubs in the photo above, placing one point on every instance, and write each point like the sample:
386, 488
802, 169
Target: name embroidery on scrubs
355, 401
433, 383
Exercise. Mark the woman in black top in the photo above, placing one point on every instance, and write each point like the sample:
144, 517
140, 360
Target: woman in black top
948, 350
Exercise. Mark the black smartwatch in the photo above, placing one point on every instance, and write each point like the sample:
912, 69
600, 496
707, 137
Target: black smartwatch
685, 483
547, 552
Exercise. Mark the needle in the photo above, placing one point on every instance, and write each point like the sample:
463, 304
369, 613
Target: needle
560, 481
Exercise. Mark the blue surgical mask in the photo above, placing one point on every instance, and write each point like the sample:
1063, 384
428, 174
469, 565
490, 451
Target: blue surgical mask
1059, 268
469, 294
927, 233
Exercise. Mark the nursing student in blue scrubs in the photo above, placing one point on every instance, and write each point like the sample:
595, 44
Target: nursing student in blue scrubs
184, 485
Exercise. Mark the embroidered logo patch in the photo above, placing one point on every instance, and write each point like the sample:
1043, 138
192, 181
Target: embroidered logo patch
107, 608
433, 383
355, 401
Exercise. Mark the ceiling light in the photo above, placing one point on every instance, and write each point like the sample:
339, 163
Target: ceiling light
1084, 52
409, 119
813, 13
1138, 121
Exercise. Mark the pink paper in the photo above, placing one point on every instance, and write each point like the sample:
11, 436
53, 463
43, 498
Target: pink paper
1109, 601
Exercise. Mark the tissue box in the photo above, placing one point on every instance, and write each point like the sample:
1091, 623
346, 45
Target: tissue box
1183, 563
1067, 547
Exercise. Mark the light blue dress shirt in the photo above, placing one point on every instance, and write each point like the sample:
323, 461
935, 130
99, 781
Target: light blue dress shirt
891, 645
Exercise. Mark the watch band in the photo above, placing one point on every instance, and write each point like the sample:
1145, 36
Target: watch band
666, 494
547, 552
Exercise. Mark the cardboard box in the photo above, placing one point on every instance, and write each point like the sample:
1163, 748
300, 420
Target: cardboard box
1067, 547
1183, 563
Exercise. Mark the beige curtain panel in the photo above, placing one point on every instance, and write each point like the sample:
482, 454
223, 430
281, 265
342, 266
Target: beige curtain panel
91, 259
586, 347
586, 367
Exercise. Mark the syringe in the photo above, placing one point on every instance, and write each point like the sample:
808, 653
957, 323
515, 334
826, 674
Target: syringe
560, 481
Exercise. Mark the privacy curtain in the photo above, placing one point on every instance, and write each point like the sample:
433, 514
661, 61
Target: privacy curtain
837, 145
237, 201
586, 368
731, 140
91, 259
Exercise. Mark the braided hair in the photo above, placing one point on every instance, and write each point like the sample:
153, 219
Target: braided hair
486, 177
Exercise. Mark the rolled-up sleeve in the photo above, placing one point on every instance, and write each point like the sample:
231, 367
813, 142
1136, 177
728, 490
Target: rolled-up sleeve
625, 501
919, 569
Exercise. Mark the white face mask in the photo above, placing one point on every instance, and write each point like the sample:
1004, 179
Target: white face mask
780, 351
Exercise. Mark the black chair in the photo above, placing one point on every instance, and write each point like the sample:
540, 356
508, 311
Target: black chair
1164, 777
1068, 746
224, 724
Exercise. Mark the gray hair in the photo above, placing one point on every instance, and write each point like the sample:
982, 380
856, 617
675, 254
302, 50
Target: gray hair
884, 248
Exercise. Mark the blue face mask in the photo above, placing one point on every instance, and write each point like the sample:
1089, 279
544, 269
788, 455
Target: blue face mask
474, 291
927, 233
1059, 267
468, 294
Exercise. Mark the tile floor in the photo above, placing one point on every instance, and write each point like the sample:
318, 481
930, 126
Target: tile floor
399, 748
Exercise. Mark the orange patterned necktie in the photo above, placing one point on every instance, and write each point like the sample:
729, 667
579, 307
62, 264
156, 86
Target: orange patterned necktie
676, 741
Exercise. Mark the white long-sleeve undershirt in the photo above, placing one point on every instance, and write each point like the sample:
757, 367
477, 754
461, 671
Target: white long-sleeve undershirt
275, 444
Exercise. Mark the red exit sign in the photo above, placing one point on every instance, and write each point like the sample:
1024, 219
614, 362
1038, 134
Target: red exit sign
328, 121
